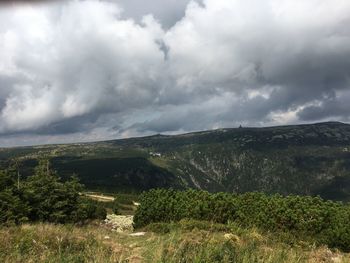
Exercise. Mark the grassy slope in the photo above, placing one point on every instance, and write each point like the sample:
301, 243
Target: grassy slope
302, 159
201, 242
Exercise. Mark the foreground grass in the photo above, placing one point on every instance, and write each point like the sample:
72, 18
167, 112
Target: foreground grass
187, 241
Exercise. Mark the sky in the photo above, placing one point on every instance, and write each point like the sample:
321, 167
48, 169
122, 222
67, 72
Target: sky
74, 71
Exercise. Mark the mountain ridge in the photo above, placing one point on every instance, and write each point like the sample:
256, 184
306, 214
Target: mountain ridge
160, 135
307, 159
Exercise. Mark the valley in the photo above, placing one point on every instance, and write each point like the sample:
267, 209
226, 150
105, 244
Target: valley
311, 159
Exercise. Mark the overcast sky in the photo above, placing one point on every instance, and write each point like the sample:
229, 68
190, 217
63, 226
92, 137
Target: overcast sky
93, 70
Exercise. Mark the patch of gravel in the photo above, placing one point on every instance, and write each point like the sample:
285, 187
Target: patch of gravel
119, 223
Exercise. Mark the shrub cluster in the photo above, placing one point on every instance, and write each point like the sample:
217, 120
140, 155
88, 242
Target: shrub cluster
326, 222
43, 197
124, 203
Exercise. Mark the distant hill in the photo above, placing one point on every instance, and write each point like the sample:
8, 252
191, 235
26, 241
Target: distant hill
312, 159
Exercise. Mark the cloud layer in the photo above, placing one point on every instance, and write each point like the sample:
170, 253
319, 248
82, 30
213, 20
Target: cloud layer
84, 70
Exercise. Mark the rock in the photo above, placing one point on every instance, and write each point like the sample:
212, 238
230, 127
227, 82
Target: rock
119, 223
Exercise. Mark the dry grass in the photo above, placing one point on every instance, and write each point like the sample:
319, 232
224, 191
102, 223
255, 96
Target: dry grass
92, 243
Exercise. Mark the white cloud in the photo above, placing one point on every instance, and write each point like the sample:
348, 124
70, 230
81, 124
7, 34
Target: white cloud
225, 62
82, 59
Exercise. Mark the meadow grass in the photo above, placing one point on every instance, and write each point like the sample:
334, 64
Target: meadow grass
185, 241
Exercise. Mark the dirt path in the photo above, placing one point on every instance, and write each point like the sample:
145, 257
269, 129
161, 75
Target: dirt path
101, 198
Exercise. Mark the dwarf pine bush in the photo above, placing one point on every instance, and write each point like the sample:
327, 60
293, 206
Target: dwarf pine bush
326, 221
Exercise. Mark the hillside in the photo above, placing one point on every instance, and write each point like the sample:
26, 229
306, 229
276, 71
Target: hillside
187, 241
311, 159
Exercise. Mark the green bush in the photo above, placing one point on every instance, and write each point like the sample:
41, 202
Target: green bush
325, 221
44, 197
125, 199
89, 209
13, 209
124, 203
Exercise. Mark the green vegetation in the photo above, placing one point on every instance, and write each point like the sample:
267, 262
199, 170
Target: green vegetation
44, 198
124, 204
180, 226
324, 222
45, 216
201, 242
301, 159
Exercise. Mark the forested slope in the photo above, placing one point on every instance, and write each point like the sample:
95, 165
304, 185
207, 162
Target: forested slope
309, 159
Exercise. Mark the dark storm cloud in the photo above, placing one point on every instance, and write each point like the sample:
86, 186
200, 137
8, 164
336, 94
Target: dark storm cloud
168, 12
87, 70
335, 107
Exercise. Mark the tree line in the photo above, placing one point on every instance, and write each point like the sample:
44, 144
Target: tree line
43, 197
326, 222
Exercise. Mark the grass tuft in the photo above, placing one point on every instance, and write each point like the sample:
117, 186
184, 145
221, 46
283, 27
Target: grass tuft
185, 241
